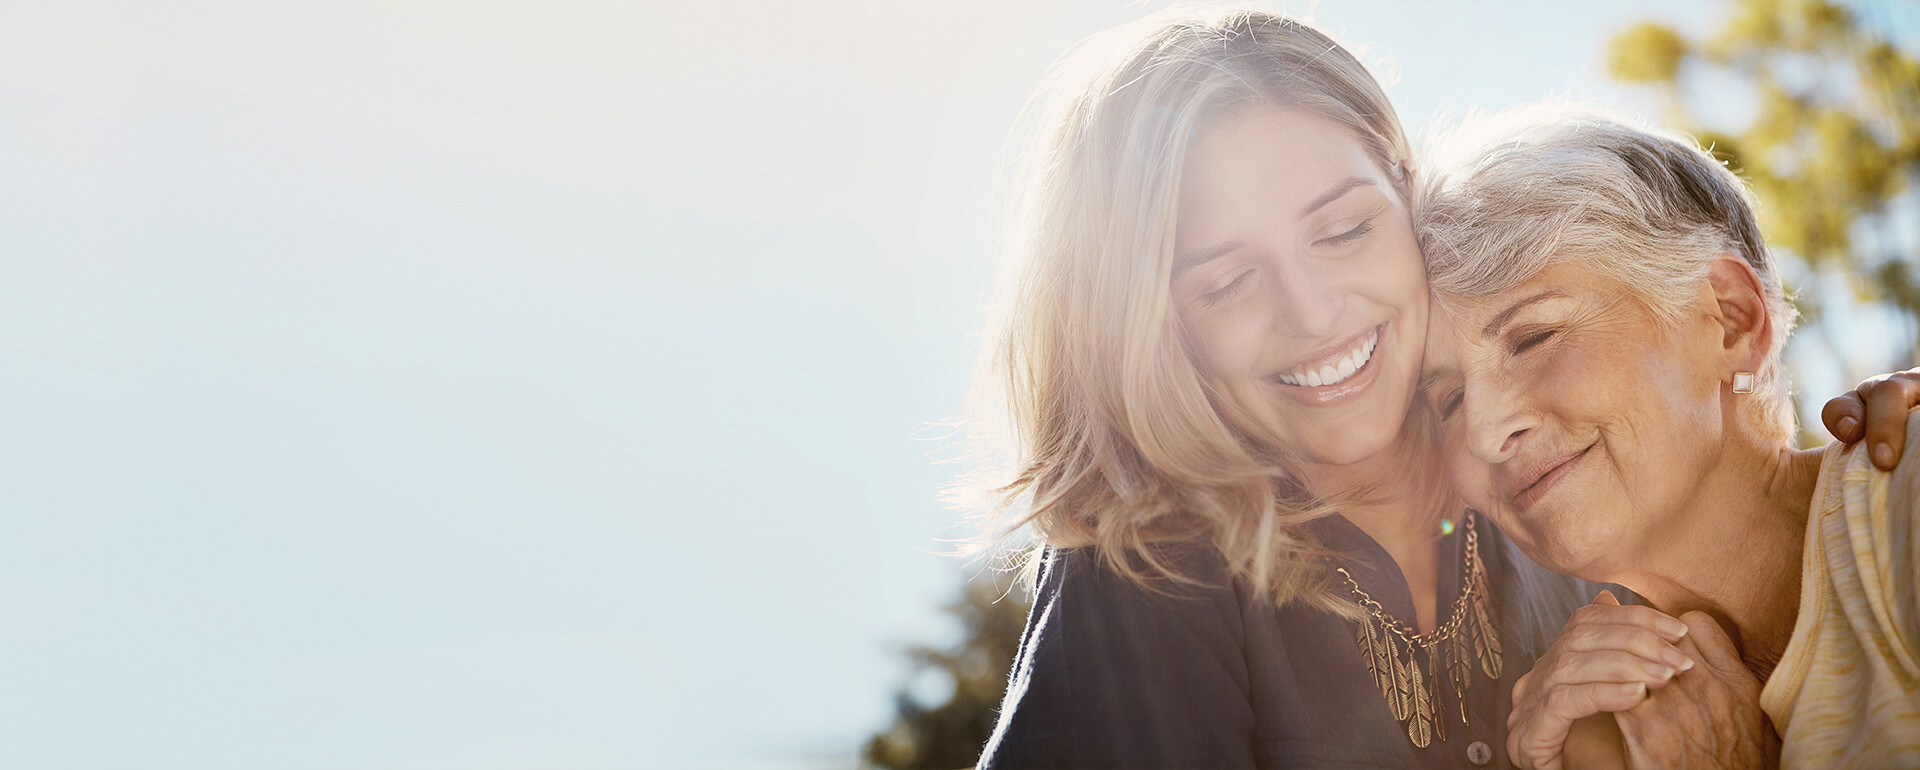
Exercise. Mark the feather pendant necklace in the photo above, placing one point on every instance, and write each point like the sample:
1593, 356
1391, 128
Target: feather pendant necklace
1410, 668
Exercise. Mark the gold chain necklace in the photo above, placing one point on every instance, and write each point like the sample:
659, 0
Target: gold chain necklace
1393, 650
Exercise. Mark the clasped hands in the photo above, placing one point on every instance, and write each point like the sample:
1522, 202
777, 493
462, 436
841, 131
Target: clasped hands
1628, 686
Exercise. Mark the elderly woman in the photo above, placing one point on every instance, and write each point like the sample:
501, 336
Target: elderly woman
1605, 363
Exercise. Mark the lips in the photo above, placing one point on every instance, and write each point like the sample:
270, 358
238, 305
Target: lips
1335, 366
1543, 477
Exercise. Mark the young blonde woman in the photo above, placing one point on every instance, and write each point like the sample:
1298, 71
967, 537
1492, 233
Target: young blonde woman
1209, 351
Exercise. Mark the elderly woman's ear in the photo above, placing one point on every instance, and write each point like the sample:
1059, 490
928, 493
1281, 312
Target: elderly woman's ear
1740, 307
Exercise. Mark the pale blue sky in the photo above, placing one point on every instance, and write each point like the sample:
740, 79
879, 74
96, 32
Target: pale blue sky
499, 385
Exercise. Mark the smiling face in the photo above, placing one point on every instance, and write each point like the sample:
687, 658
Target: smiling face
1299, 283
1573, 417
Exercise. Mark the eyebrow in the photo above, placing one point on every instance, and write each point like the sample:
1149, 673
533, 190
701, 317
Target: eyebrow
1332, 194
1500, 319
1197, 258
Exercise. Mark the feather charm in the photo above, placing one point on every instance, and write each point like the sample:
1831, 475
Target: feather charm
1420, 727
1487, 641
1400, 700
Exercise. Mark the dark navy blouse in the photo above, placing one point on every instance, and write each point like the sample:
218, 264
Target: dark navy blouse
1110, 675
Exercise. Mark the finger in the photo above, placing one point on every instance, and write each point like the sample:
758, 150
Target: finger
1539, 737
1842, 416
1617, 666
1885, 419
1593, 637
1611, 612
1523, 760
1521, 687
1711, 642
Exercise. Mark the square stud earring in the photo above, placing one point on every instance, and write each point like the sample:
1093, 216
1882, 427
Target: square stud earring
1743, 382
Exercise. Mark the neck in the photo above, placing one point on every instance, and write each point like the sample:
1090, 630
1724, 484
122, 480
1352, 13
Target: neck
1394, 506
1733, 551
1398, 509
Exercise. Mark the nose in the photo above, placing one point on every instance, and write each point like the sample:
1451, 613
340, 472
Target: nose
1309, 302
1497, 417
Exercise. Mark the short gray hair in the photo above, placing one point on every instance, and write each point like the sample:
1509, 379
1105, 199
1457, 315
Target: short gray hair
1512, 194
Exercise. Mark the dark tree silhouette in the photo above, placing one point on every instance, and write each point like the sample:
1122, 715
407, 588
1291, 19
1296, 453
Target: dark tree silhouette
950, 735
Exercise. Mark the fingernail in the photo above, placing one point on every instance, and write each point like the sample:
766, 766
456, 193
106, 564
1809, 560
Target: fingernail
1677, 659
1883, 454
1662, 673
1847, 424
1637, 688
1671, 628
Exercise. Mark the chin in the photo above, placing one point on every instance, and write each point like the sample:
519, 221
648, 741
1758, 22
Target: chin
1588, 553
1547, 549
1355, 443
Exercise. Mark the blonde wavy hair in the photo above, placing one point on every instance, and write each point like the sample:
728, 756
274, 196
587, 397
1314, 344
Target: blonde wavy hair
1116, 442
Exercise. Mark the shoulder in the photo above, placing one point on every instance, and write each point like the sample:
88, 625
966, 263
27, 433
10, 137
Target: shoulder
1896, 494
1111, 671
1882, 507
1839, 686
1904, 481
1091, 573
1079, 592
1870, 498
1863, 543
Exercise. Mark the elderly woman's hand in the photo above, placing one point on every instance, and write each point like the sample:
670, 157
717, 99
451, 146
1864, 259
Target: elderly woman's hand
1707, 717
1606, 659
1876, 411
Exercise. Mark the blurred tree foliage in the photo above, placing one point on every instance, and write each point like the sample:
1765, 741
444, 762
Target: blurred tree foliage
1832, 148
950, 735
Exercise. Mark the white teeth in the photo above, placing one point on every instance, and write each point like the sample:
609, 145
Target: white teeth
1335, 372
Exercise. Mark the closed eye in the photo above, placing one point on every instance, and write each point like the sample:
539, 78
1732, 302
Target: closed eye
1451, 403
1224, 293
1533, 340
1358, 231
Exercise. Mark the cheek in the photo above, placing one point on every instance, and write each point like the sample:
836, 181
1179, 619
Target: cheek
1400, 272
1215, 344
1473, 481
1226, 354
1394, 279
1675, 433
